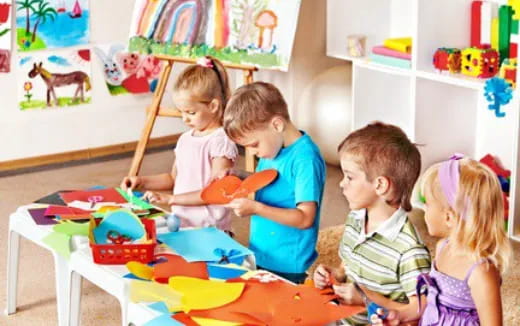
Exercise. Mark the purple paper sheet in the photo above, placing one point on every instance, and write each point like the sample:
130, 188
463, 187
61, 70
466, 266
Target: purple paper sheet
38, 215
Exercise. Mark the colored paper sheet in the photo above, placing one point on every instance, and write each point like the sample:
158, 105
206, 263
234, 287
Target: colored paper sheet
163, 320
134, 199
288, 305
203, 294
188, 244
143, 291
123, 222
59, 242
381, 50
389, 61
159, 306
175, 265
38, 215
213, 322
140, 270
223, 272
71, 228
103, 195
53, 199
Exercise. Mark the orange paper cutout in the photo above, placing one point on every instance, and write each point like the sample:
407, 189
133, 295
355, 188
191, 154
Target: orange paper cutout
223, 191
290, 305
177, 266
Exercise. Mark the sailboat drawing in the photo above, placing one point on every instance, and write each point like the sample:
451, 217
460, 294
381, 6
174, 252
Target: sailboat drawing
76, 12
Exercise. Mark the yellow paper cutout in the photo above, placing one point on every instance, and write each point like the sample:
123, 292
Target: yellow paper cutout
140, 270
213, 322
201, 294
143, 291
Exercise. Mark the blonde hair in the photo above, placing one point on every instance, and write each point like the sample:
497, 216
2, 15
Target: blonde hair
205, 83
251, 106
385, 150
479, 200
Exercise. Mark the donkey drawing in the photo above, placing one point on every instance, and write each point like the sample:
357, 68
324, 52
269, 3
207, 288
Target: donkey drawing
58, 80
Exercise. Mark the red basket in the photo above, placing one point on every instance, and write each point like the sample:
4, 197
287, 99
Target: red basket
113, 254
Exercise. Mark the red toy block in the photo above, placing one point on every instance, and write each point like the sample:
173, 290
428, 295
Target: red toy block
476, 12
493, 164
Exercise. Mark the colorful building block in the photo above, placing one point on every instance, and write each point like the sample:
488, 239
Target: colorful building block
508, 71
476, 14
447, 59
515, 4
482, 63
504, 31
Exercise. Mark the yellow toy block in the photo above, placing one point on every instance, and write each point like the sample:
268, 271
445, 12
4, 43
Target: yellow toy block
508, 71
494, 33
482, 63
515, 4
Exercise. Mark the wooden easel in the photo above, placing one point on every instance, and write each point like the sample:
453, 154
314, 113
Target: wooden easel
155, 109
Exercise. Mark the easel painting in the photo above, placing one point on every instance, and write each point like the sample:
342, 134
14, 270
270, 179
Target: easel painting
54, 79
45, 24
256, 32
127, 72
5, 35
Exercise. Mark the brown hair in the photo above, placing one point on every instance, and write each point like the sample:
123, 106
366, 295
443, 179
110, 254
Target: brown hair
385, 150
479, 197
205, 83
251, 106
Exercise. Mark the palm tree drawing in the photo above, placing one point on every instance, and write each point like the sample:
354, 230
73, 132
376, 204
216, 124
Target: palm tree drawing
43, 12
28, 6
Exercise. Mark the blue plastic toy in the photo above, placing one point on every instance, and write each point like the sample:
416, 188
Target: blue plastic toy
498, 92
173, 222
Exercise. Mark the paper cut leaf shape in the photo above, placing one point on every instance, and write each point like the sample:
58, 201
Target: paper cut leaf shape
224, 190
177, 266
140, 270
144, 291
298, 305
124, 222
204, 294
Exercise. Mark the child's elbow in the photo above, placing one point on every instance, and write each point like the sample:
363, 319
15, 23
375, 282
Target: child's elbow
306, 223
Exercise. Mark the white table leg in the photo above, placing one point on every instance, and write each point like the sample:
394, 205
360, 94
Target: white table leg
63, 286
13, 253
75, 299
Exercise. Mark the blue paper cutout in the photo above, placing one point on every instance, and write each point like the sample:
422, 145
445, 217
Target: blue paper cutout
200, 244
160, 306
123, 221
163, 320
223, 272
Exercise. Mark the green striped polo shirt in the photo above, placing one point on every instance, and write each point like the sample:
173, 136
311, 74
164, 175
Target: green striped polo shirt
388, 260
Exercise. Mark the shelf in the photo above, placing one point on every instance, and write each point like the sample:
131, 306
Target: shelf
366, 63
453, 79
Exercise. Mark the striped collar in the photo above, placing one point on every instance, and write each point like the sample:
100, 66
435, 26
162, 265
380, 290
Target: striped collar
389, 229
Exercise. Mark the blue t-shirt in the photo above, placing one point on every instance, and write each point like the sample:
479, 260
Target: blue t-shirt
301, 178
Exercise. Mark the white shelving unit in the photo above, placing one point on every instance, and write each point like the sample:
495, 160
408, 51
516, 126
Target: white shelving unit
445, 112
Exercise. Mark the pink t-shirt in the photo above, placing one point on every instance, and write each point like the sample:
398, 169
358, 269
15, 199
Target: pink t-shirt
193, 156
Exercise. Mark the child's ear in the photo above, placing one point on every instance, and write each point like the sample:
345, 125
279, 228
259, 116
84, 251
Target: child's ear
382, 185
278, 124
449, 216
214, 105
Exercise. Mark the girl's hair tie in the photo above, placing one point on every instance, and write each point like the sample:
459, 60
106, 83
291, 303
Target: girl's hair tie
205, 62
449, 176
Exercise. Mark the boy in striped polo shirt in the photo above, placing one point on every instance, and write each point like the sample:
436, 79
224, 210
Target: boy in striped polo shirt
381, 251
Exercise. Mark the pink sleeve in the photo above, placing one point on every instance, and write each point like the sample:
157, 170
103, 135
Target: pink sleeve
222, 146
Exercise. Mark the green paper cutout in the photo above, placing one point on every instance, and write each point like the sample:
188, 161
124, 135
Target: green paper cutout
59, 242
72, 228
134, 200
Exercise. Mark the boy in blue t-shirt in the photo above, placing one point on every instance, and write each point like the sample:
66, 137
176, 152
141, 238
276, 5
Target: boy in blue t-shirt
285, 214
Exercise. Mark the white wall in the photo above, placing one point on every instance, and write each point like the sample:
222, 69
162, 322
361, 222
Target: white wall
317, 90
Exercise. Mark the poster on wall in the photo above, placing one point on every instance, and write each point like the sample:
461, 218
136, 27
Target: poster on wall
46, 24
57, 79
127, 72
5, 35
256, 32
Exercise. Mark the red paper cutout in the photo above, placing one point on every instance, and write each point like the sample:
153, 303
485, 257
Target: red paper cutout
136, 85
64, 210
223, 191
177, 266
108, 195
184, 319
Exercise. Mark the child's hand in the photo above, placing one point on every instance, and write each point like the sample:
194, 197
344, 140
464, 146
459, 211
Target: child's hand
130, 183
348, 294
243, 206
157, 198
392, 319
322, 276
